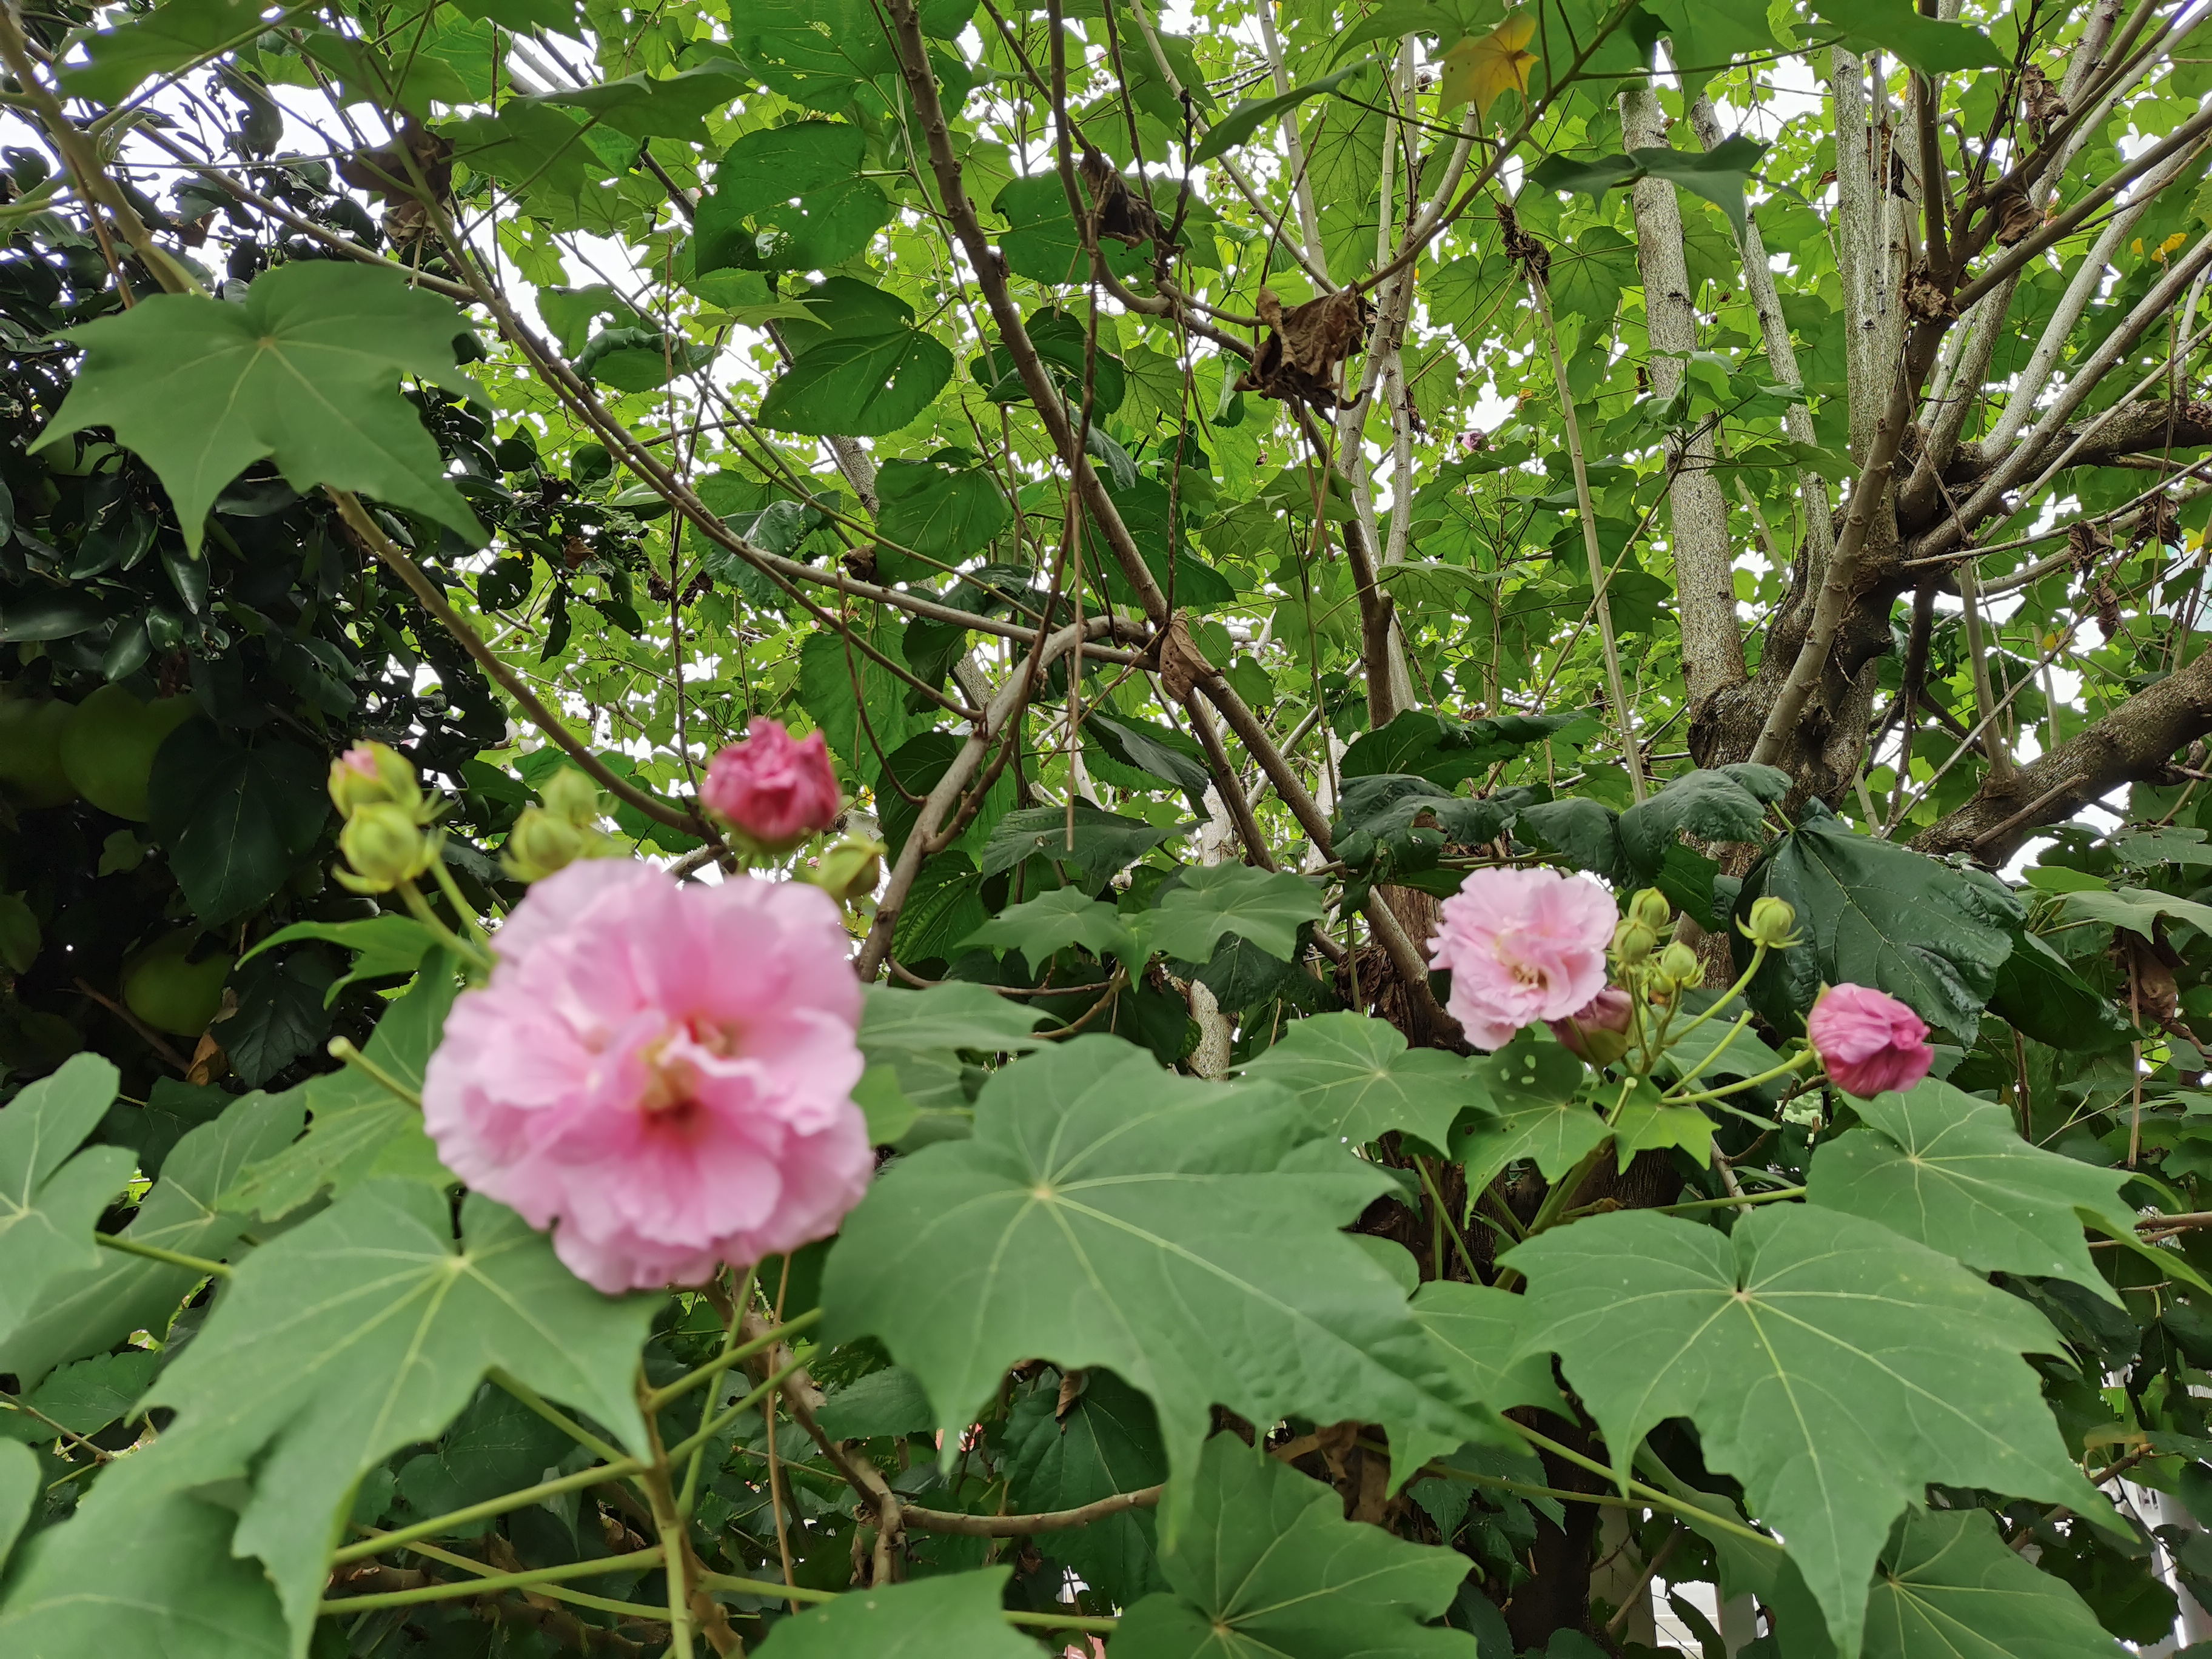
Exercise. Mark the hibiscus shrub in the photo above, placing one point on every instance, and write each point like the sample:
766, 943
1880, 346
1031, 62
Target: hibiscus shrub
945, 927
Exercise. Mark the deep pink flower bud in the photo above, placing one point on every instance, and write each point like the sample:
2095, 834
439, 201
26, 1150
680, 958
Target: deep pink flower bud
1869, 1042
1522, 945
661, 1073
1598, 1030
772, 790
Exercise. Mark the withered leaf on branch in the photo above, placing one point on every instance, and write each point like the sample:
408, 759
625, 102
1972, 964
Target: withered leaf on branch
1183, 664
1302, 355
1123, 216
386, 173
2040, 101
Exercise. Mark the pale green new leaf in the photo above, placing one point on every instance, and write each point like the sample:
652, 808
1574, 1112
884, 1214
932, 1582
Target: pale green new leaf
1942, 1167
1360, 1081
1831, 1365
85, 1312
1949, 1589
1107, 1212
163, 1564
48, 1200
1266, 906
1053, 921
358, 1331
1270, 1566
305, 370
956, 1615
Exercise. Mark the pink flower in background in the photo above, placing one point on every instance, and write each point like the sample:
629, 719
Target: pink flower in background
1598, 1030
1522, 945
1869, 1042
664, 1071
359, 759
772, 790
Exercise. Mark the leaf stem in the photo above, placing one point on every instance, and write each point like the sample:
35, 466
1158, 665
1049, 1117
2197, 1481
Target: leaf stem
1692, 1208
685, 1448
199, 1264
729, 1357
404, 1537
1758, 955
342, 1050
601, 1603
447, 1592
1651, 1495
1443, 1212
1742, 1083
468, 952
801, 1593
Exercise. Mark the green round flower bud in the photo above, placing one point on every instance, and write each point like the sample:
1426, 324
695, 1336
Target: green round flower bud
541, 842
849, 870
385, 846
1633, 942
1680, 963
370, 774
1651, 908
572, 797
1770, 924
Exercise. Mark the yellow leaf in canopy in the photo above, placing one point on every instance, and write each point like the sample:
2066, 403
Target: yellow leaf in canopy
1482, 66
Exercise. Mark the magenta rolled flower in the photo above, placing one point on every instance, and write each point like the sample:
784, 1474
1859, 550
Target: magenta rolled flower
1868, 1043
773, 789
1598, 1030
1522, 945
662, 1073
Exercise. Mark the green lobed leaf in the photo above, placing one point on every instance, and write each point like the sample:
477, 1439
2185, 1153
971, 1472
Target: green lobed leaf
1538, 1111
161, 1566
813, 164
954, 1015
869, 372
98, 1306
364, 1328
1103, 843
1719, 174
1360, 1081
1109, 1214
1444, 750
384, 946
1832, 1366
237, 817
1477, 1328
1266, 906
305, 371
357, 1128
1949, 1589
1950, 1170
1924, 44
1053, 921
49, 1200
641, 105
1727, 803
942, 513
955, 1616
1270, 1565
155, 42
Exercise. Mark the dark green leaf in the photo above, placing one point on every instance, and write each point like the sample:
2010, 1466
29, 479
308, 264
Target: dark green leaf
2039, 995
812, 164
1108, 1442
1040, 241
155, 42
953, 1616
887, 1401
1155, 751
1539, 1112
1247, 118
1585, 833
1359, 1079
1728, 804
1051, 922
655, 107
384, 946
1446, 751
236, 817
1718, 174
1896, 26
1478, 1327
1103, 843
941, 512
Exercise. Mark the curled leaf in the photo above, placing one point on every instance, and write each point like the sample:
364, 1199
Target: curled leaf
1482, 66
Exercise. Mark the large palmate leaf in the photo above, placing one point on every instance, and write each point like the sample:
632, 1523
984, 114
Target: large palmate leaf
1103, 842
358, 1332
955, 1616
1537, 1112
913, 1038
1873, 913
1943, 1167
1719, 174
1831, 1365
1478, 1327
1266, 906
357, 1128
867, 371
1052, 921
941, 512
1107, 1442
1446, 751
307, 370
48, 1200
656, 107
1360, 1081
93, 1309
1949, 1589
1270, 1566
1931, 47
161, 1565
1109, 1213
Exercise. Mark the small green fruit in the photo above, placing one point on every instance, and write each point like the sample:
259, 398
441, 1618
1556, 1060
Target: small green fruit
30, 751
171, 993
108, 748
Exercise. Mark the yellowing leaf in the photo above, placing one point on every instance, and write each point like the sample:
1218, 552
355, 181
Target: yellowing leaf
1482, 66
